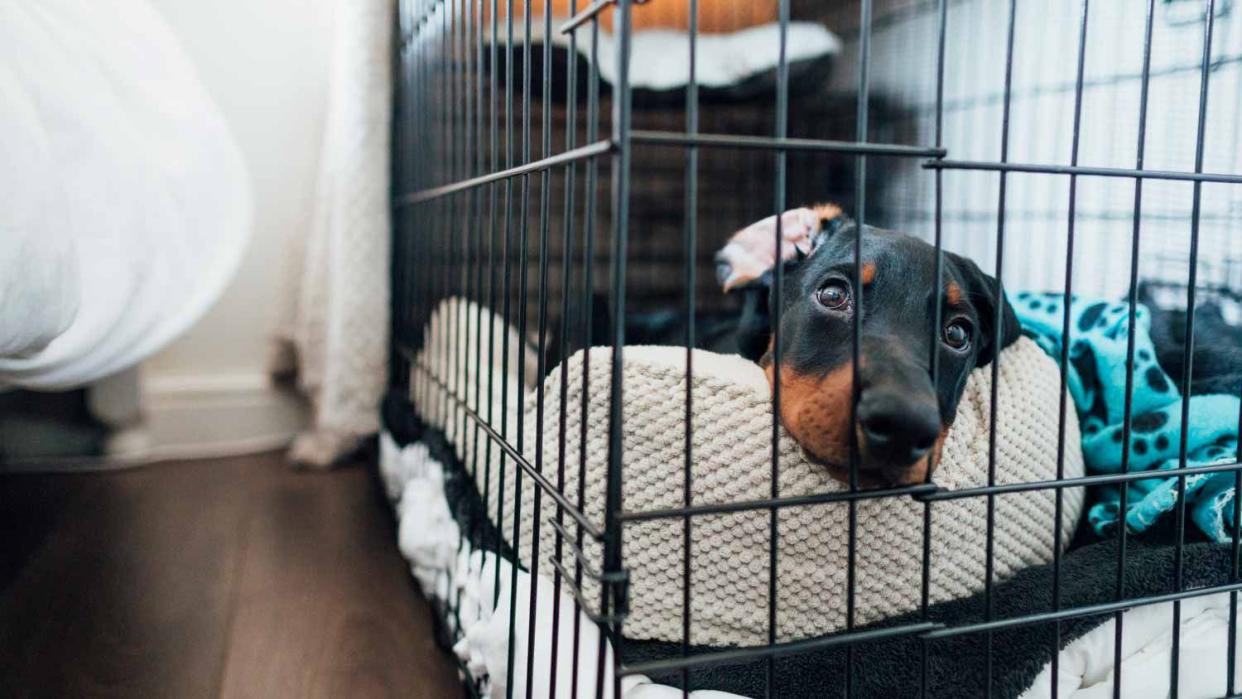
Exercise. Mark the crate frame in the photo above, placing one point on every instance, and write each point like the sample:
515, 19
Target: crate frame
454, 159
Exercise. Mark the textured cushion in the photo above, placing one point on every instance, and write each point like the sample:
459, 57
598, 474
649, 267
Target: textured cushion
731, 461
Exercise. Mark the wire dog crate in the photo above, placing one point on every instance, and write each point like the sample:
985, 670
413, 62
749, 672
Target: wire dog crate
525, 156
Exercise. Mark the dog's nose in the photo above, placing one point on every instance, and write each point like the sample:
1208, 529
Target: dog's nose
898, 429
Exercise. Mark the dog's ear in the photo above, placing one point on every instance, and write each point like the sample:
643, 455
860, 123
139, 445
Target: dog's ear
751, 252
754, 324
982, 292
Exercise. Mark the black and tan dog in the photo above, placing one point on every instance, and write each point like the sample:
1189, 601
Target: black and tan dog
902, 417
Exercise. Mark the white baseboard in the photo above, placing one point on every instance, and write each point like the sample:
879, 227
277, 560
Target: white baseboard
199, 416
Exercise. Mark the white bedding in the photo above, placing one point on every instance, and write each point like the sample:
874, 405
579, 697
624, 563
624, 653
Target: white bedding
451, 571
126, 201
1085, 669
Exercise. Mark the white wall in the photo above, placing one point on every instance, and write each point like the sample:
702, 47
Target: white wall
266, 64
1045, 58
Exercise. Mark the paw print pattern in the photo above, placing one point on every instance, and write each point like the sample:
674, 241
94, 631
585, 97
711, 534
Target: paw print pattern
1100, 343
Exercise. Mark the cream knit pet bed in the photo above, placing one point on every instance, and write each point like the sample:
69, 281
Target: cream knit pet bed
732, 451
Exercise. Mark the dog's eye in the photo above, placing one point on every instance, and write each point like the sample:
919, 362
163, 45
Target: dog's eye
833, 295
957, 335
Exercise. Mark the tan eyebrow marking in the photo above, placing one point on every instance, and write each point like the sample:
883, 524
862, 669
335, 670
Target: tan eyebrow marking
826, 212
953, 293
868, 273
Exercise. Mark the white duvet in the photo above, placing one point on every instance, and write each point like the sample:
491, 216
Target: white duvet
124, 201
1086, 668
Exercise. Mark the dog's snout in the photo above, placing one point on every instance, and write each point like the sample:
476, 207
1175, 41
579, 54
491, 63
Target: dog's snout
898, 429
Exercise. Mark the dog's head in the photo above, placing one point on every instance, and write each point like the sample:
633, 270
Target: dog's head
902, 417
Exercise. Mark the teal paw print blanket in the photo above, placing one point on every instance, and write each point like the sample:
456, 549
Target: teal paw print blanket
1098, 344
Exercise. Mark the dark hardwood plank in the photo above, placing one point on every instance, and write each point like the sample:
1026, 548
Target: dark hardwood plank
228, 577
326, 611
128, 594
30, 507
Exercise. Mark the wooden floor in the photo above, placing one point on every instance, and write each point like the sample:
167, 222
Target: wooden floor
216, 578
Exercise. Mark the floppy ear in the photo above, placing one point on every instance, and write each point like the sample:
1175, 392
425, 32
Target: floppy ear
754, 324
751, 252
982, 292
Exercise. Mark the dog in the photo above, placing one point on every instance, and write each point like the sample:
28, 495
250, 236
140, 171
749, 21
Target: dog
901, 416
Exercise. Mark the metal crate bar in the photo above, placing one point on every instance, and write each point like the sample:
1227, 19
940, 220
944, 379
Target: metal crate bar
779, 195
567, 240
1188, 346
580, 558
1131, 322
1223, 178
1078, 612
690, 244
588, 248
787, 648
583, 605
942, 23
1080, 481
586, 15
926, 492
572, 156
612, 598
779, 502
781, 144
513, 453
928, 631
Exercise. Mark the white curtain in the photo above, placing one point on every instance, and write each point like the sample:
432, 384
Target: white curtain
335, 336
